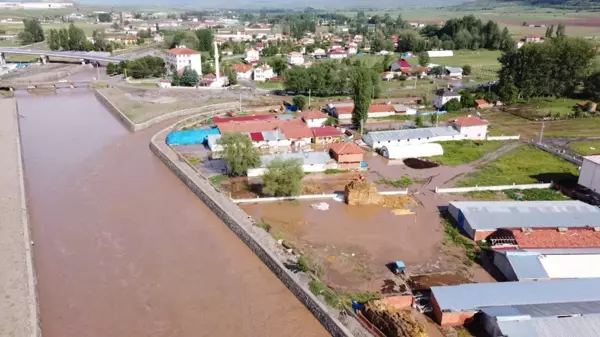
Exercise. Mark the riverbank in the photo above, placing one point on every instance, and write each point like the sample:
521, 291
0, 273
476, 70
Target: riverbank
18, 304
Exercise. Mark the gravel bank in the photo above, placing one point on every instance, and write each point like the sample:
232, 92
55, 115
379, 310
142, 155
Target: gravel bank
18, 303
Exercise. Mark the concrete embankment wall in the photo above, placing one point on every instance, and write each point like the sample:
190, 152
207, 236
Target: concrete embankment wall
237, 220
19, 309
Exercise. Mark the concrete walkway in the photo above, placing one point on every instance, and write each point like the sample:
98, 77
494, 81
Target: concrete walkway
18, 304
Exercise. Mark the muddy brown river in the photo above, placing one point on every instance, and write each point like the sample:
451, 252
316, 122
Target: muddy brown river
124, 249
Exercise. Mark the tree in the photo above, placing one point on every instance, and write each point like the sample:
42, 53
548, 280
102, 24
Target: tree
466, 70
592, 86
283, 178
140, 41
549, 31
239, 153
146, 67
77, 39
331, 121
423, 59
418, 121
560, 30
467, 100
362, 88
175, 80
300, 102
104, 17
453, 105
508, 93
32, 32
115, 26
278, 64
205, 39
53, 39
231, 76
189, 78
437, 71
63, 38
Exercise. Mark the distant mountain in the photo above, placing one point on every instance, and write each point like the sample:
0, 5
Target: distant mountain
567, 4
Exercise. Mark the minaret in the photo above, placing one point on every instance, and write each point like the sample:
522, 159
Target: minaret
217, 71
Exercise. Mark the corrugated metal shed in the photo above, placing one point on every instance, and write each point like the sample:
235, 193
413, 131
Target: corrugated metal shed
577, 326
423, 133
470, 297
545, 309
273, 135
489, 215
306, 158
527, 266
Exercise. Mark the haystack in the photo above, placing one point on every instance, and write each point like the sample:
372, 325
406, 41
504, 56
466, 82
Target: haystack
361, 192
393, 322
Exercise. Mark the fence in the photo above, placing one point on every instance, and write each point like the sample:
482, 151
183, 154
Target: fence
309, 196
491, 188
577, 159
503, 137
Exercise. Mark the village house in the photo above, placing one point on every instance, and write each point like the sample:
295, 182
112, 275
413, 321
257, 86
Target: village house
244, 71
483, 104
251, 55
387, 76
295, 59
344, 111
210, 80
442, 96
310, 161
533, 39
298, 134
319, 53
313, 118
338, 54
348, 155
352, 50
164, 83
453, 72
378, 139
181, 57
263, 73
398, 65
326, 135
470, 127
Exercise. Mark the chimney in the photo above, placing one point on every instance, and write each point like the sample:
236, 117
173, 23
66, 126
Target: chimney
217, 70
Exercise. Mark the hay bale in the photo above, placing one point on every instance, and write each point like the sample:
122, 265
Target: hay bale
361, 192
393, 322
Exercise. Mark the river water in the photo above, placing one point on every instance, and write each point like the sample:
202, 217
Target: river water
124, 249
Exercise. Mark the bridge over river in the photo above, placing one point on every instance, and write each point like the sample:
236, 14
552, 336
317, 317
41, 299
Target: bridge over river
46, 54
123, 248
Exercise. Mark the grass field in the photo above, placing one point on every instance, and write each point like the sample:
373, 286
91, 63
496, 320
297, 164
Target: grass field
88, 28
509, 124
465, 151
524, 165
269, 85
586, 148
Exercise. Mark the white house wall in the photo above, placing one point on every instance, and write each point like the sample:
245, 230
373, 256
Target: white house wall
477, 132
589, 176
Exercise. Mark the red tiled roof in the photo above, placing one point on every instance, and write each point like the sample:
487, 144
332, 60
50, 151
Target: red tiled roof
346, 110
242, 68
312, 114
243, 118
257, 125
482, 102
552, 238
468, 121
183, 51
337, 52
296, 131
346, 148
257, 136
326, 131
403, 63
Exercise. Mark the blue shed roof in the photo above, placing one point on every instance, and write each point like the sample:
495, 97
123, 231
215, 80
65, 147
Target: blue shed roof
469, 297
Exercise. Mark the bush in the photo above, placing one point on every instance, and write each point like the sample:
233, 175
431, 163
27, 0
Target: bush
299, 102
283, 178
466, 70
453, 105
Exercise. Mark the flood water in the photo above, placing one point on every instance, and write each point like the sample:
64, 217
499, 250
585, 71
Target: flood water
124, 249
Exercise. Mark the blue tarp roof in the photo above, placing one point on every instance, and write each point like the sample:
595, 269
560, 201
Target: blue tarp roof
194, 136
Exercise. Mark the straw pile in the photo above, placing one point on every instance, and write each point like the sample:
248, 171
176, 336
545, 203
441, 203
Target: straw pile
393, 322
361, 192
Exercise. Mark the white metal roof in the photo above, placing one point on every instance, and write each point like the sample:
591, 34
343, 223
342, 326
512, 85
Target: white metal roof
594, 158
306, 158
571, 266
423, 133
491, 215
577, 326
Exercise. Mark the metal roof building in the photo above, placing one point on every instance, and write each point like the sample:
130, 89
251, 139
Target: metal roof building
378, 139
489, 216
576, 326
528, 266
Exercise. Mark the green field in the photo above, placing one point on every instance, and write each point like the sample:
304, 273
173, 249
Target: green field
465, 151
88, 28
509, 124
586, 148
524, 165
269, 85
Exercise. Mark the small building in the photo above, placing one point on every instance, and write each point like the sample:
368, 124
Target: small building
326, 135
378, 139
344, 111
533, 38
319, 53
440, 53
310, 161
181, 57
589, 175
263, 73
252, 55
398, 65
244, 71
347, 154
404, 110
217, 119
454, 305
412, 151
313, 118
453, 72
295, 59
164, 83
480, 219
269, 139
387, 76
298, 134
587, 106
483, 104
470, 127
338, 54
442, 96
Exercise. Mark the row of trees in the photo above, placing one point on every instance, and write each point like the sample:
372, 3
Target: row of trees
32, 32
555, 68
144, 67
200, 40
470, 33
72, 38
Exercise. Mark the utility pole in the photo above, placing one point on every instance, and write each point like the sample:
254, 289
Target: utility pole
240, 105
98, 71
437, 116
309, 98
542, 133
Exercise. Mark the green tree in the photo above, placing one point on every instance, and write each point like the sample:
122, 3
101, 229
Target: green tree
560, 30
452, 105
140, 41
189, 78
239, 153
77, 39
278, 64
283, 178
466, 70
32, 32
508, 93
104, 17
331, 121
418, 121
592, 86
549, 31
205, 39
231, 76
63, 38
53, 39
175, 80
437, 71
362, 92
467, 100
423, 59
299, 101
